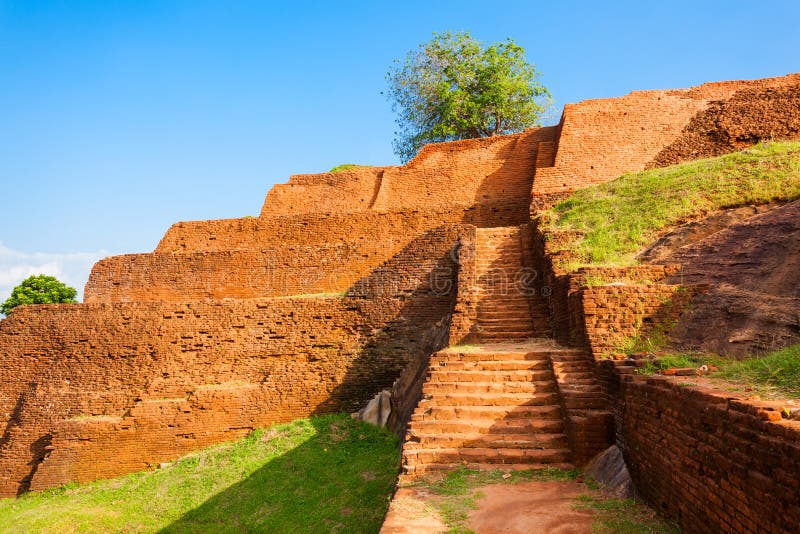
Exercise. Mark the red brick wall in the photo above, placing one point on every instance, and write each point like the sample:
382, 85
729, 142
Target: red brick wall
605, 138
488, 172
707, 459
96, 390
248, 258
346, 191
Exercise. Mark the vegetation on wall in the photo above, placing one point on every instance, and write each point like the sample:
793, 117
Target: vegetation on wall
39, 289
453, 87
609, 223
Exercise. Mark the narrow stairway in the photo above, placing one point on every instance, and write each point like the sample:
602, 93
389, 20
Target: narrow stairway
505, 291
516, 400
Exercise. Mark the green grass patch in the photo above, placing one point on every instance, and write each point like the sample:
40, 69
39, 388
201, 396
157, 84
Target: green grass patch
345, 167
775, 374
623, 516
615, 220
324, 474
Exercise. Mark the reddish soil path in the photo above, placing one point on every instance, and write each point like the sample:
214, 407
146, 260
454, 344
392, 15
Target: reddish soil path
523, 508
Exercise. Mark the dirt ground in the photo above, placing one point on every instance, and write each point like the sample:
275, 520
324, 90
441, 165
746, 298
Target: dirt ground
526, 507
752, 267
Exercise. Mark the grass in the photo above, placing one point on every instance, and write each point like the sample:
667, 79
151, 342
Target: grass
615, 220
346, 166
324, 474
774, 374
623, 516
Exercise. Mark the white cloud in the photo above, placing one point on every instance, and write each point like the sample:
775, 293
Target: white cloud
71, 268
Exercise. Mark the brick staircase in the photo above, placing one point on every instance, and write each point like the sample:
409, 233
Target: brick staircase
491, 406
516, 400
505, 297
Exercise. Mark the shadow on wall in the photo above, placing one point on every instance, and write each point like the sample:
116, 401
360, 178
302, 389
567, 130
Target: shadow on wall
413, 295
336, 481
503, 197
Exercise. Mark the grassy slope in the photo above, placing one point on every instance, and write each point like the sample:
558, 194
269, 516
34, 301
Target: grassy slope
621, 217
774, 374
324, 474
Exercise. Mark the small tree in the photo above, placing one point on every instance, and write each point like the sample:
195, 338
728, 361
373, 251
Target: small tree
39, 289
453, 87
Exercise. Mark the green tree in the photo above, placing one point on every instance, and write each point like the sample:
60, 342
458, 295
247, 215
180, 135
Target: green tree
39, 289
453, 87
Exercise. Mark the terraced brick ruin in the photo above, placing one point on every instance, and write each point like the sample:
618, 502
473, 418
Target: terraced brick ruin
431, 280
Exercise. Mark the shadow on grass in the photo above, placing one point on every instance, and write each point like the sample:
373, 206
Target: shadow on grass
339, 480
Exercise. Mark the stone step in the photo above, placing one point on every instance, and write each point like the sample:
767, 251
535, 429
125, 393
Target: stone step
518, 386
445, 374
487, 456
492, 399
461, 440
416, 470
488, 415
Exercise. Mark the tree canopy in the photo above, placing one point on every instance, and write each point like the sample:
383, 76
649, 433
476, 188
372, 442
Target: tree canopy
39, 289
453, 87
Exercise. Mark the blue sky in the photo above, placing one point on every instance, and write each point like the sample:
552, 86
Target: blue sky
120, 118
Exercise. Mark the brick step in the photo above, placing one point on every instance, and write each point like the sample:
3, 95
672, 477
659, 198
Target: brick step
570, 380
493, 399
505, 326
504, 312
520, 315
517, 386
573, 368
512, 295
524, 426
503, 416
505, 337
588, 387
453, 440
487, 456
485, 356
445, 374
501, 334
532, 365
520, 318
579, 400
567, 358
415, 470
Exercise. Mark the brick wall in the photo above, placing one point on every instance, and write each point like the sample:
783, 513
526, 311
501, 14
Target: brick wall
250, 258
491, 172
351, 190
465, 311
605, 316
605, 138
96, 390
709, 460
